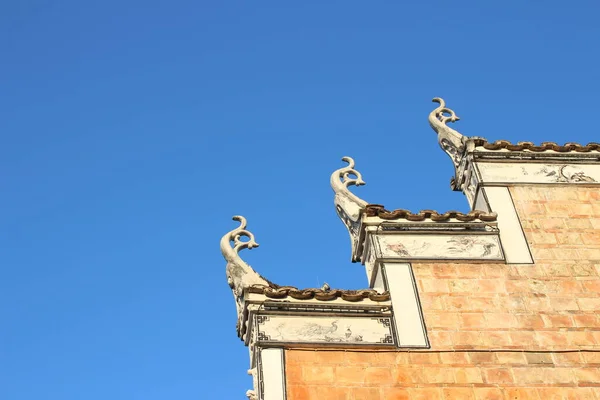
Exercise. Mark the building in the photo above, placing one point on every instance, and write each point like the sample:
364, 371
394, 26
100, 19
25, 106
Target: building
502, 302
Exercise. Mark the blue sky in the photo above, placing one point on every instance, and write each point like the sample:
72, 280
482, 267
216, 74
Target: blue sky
132, 131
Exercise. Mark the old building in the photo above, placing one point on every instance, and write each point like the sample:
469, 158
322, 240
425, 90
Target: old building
502, 302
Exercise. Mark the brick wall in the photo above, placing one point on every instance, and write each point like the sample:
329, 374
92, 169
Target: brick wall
497, 331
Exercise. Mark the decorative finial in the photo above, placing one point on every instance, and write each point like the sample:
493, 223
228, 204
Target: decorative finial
239, 274
348, 206
451, 141
341, 179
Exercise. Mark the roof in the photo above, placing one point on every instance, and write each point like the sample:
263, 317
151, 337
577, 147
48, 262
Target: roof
545, 146
318, 294
376, 210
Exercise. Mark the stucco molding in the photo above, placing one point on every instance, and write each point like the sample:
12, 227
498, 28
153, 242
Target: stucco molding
348, 206
240, 275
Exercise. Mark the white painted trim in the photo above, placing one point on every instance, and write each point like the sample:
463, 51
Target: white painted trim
480, 202
378, 282
408, 318
514, 243
273, 374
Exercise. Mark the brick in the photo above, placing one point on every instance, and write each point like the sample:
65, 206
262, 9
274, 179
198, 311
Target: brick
432, 303
552, 338
491, 286
542, 237
497, 339
517, 286
356, 358
298, 392
446, 320
349, 374
568, 286
422, 270
438, 375
486, 393
378, 375
579, 393
402, 358
497, 375
581, 338
441, 339
394, 393
293, 373
557, 375
318, 374
454, 358
505, 358
473, 320
527, 339
564, 253
529, 321
591, 358
551, 393
495, 271
443, 270
463, 285
592, 286
580, 210
519, 393
467, 339
566, 358
434, 285
569, 238
424, 358
557, 269
329, 357
582, 223
539, 358
512, 304
470, 303
412, 374
582, 269
455, 393
563, 304
482, 358
468, 271
589, 254
557, 321
467, 375
384, 358
537, 303
587, 375
327, 392
553, 223
528, 375
589, 303
299, 356
425, 393
362, 393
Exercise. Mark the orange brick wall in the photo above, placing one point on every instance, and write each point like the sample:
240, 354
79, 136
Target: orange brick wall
497, 331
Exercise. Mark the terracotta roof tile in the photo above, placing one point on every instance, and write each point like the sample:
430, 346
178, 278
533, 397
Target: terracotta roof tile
520, 146
376, 210
282, 292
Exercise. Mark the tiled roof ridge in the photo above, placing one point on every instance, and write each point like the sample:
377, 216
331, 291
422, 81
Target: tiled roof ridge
281, 292
544, 146
376, 210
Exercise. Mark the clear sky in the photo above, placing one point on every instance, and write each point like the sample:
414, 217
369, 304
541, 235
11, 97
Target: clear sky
132, 131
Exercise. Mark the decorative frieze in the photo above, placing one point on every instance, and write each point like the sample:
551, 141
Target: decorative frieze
438, 247
538, 173
324, 330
